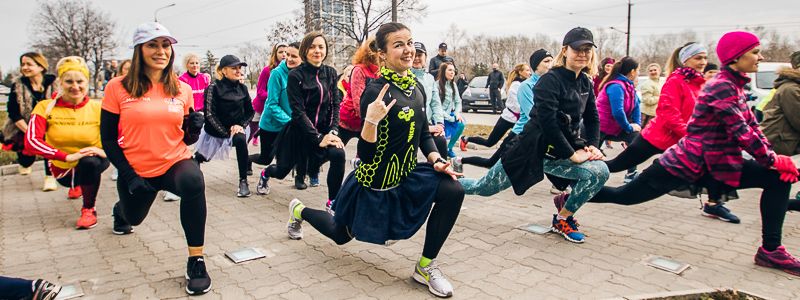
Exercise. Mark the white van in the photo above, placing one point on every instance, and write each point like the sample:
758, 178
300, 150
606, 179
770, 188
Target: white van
762, 81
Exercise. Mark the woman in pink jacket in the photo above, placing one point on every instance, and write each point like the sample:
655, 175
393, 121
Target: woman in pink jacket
365, 68
675, 106
198, 81
277, 56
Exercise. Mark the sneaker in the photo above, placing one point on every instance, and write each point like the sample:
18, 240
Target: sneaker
300, 183
50, 184
555, 191
559, 201
244, 189
778, 259
25, 171
451, 153
355, 162
114, 175
314, 181
463, 144
434, 279
121, 226
44, 290
630, 176
567, 229
295, 225
169, 197
458, 166
329, 207
74, 192
721, 212
250, 171
197, 280
87, 220
262, 188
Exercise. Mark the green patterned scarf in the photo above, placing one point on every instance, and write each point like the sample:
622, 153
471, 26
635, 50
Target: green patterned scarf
405, 83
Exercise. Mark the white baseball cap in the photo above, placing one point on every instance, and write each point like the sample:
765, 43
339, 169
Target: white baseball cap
146, 32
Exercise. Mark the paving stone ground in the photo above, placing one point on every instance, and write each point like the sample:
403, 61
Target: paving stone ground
485, 257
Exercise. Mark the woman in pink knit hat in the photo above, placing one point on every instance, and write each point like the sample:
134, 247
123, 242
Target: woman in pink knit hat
710, 154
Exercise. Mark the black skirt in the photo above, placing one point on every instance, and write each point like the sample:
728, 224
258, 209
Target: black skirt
377, 216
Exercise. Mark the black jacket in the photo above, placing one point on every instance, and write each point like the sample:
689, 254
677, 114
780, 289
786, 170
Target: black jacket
227, 103
563, 102
495, 80
436, 62
314, 99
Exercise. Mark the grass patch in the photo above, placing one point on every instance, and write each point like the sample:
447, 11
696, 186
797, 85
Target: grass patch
477, 130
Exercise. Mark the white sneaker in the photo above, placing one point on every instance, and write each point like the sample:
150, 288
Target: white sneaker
50, 184
25, 171
434, 279
169, 197
294, 226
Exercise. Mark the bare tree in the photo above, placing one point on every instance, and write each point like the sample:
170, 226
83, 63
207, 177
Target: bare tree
610, 43
367, 16
257, 57
73, 27
286, 31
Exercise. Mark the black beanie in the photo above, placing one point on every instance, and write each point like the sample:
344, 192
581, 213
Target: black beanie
537, 57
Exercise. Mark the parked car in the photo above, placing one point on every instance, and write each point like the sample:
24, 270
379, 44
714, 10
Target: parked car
477, 95
4, 90
762, 82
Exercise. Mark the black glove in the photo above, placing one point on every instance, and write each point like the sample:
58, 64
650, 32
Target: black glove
195, 120
137, 184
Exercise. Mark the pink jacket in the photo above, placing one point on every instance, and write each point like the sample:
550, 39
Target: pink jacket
199, 84
261, 90
675, 106
350, 109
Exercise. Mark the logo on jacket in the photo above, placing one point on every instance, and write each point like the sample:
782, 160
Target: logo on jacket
406, 113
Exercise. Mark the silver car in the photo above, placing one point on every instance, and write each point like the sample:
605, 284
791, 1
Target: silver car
476, 96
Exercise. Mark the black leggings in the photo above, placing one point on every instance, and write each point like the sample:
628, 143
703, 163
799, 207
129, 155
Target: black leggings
27, 161
184, 179
267, 143
621, 137
347, 135
446, 208
87, 174
336, 157
637, 152
500, 128
656, 181
239, 142
441, 145
489, 162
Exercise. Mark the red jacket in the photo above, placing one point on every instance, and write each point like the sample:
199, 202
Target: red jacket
721, 127
350, 109
675, 106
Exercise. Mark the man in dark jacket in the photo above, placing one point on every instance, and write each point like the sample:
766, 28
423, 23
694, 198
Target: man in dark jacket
436, 61
494, 83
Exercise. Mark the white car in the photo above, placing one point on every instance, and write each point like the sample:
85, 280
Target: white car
762, 81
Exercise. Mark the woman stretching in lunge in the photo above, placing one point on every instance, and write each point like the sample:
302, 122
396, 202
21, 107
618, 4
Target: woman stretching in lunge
389, 196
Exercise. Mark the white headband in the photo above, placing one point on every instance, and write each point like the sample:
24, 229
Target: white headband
691, 50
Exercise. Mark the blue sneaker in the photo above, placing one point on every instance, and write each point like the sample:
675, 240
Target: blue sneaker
568, 229
451, 153
314, 181
721, 212
630, 176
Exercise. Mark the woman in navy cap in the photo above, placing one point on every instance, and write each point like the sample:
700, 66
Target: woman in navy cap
228, 110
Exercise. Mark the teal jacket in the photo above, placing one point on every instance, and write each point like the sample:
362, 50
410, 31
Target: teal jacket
434, 104
276, 110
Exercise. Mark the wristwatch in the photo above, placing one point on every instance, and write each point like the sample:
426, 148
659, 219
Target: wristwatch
334, 132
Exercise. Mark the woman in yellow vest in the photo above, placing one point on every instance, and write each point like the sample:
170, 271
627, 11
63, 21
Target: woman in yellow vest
66, 130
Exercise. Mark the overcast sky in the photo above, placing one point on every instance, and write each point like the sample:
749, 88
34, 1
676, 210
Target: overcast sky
223, 25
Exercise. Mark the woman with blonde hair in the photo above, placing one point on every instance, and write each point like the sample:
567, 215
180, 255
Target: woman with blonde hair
196, 80
277, 55
509, 117
66, 130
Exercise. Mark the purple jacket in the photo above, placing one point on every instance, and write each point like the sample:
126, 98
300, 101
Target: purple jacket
261, 90
719, 129
609, 125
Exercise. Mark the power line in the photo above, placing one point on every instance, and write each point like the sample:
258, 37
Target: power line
239, 26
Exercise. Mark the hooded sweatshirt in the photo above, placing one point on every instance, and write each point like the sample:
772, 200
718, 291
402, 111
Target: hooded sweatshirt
781, 122
198, 83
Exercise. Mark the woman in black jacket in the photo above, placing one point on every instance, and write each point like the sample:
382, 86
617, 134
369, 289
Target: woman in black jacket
228, 109
311, 138
551, 143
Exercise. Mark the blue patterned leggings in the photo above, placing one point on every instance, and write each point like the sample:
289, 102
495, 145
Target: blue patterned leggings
588, 178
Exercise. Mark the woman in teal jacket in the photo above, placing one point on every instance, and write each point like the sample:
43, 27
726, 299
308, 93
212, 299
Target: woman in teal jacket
276, 109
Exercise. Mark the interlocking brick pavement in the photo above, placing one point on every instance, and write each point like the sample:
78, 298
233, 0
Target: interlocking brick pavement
485, 257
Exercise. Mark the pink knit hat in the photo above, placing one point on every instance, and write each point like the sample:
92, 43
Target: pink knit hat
734, 44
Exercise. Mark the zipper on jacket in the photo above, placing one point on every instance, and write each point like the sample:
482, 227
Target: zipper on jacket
321, 94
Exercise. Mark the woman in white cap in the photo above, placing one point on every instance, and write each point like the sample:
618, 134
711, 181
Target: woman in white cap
150, 98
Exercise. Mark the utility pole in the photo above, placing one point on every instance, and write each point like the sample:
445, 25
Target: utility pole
628, 32
394, 10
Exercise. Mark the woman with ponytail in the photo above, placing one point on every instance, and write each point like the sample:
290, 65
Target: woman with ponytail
365, 68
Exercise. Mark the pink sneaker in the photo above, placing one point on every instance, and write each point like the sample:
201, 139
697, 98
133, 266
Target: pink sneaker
778, 259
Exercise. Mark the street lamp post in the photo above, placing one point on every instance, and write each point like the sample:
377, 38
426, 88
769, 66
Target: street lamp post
155, 13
